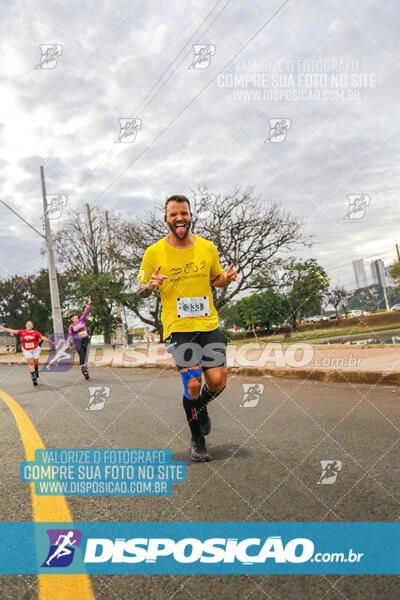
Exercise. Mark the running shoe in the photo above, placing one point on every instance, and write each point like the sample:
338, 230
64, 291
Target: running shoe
199, 451
34, 380
204, 420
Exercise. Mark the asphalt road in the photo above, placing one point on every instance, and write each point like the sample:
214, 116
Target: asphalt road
266, 468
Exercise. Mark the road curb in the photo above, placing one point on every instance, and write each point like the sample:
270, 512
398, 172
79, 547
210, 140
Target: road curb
325, 375
332, 375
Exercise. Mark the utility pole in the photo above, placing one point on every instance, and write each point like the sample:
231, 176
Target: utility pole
120, 330
385, 294
55, 298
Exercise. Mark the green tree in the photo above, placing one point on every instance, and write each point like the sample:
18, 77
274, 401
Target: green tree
338, 296
230, 315
88, 247
372, 298
27, 297
395, 274
302, 285
250, 312
263, 309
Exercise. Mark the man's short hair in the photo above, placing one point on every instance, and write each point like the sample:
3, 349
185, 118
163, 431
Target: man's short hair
73, 315
177, 199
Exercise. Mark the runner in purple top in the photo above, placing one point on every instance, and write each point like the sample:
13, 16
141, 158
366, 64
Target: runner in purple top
78, 337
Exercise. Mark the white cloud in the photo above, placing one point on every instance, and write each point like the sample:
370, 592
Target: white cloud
113, 53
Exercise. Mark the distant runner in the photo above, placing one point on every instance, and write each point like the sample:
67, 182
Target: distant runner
183, 265
30, 347
78, 337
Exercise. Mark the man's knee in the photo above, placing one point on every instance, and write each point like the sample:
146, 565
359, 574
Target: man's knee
216, 382
194, 387
217, 387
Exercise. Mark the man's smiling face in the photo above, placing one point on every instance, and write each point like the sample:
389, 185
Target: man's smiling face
178, 218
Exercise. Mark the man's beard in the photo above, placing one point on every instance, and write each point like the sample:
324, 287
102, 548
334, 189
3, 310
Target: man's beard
178, 232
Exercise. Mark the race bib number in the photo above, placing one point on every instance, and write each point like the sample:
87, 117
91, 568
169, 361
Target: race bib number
193, 307
29, 345
82, 333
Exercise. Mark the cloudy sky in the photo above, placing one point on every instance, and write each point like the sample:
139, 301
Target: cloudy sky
327, 70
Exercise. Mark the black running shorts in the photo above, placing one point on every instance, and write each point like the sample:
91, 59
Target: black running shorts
191, 348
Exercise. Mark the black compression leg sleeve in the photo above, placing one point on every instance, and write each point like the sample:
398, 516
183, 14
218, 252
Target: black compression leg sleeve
206, 396
191, 410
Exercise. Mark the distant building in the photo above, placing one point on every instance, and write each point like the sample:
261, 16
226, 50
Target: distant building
390, 281
360, 274
378, 272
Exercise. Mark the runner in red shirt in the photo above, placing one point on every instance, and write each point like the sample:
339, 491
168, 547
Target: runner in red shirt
30, 347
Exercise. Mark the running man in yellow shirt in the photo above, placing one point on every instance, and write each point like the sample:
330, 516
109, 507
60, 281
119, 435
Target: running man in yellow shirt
182, 266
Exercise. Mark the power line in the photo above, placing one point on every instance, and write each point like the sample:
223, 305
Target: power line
85, 177
196, 97
22, 219
177, 56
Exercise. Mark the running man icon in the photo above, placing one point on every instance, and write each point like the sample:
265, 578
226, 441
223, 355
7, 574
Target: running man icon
62, 549
62, 542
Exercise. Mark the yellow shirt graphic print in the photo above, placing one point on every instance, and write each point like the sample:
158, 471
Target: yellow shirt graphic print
187, 290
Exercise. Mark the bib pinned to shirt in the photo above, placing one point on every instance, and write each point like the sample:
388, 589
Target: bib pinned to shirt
196, 306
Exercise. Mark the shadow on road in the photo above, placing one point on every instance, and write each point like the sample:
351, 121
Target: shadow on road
220, 452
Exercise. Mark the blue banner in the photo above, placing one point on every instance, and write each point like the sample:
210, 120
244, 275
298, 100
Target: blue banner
200, 548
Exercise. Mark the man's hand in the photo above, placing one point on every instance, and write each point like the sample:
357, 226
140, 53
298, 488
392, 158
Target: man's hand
89, 302
226, 277
231, 274
156, 279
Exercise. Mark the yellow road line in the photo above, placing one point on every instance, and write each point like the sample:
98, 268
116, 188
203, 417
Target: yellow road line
48, 509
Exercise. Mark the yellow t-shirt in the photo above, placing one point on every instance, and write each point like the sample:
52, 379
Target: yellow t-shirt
187, 290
